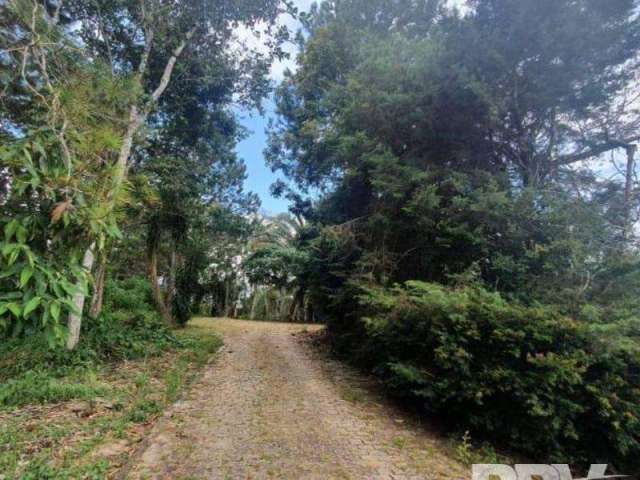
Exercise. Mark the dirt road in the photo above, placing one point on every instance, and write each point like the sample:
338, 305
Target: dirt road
272, 406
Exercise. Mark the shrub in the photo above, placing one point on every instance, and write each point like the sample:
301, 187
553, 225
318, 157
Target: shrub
130, 294
31, 371
526, 376
130, 325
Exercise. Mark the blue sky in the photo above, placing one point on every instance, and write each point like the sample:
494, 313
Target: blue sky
259, 175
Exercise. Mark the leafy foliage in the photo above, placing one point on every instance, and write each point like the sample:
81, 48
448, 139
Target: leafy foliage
526, 375
37, 280
33, 371
56, 159
461, 157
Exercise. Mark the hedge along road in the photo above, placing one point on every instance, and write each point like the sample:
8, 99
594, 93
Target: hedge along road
272, 406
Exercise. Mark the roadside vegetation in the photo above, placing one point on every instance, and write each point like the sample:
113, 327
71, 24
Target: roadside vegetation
470, 189
118, 181
81, 414
464, 212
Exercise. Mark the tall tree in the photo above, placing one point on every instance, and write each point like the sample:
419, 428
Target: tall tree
438, 147
143, 45
146, 39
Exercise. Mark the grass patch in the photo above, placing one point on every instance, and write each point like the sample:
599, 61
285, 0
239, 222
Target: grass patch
399, 442
81, 419
40, 387
353, 394
174, 380
469, 454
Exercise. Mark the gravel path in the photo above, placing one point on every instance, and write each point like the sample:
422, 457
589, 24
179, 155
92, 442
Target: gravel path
272, 406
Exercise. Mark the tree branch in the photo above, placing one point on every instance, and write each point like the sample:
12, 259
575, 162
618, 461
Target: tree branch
168, 69
144, 60
596, 150
56, 14
149, 35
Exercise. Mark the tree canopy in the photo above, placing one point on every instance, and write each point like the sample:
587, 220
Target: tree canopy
119, 113
445, 158
463, 183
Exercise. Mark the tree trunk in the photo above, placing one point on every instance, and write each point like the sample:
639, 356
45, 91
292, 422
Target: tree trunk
293, 312
308, 312
225, 310
98, 292
628, 192
297, 306
155, 286
254, 304
282, 305
74, 322
136, 119
171, 281
267, 307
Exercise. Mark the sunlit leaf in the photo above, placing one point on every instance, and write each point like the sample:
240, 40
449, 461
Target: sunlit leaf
14, 308
25, 276
9, 229
31, 306
54, 309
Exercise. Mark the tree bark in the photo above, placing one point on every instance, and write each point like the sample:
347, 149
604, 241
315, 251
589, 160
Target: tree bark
155, 286
171, 63
297, 306
309, 315
227, 298
267, 307
254, 304
628, 191
171, 280
98, 292
74, 322
282, 305
136, 119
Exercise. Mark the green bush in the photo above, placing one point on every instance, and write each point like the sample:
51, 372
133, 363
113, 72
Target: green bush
528, 377
130, 294
31, 371
129, 327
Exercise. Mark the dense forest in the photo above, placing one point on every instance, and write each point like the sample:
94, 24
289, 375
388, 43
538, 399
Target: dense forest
462, 179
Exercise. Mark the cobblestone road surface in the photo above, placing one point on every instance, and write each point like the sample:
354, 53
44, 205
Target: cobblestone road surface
271, 406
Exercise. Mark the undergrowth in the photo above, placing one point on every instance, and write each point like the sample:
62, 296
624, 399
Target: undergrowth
130, 328
128, 367
58, 442
525, 376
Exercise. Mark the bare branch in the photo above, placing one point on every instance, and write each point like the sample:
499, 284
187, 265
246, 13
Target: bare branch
149, 36
56, 14
144, 60
596, 150
168, 69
